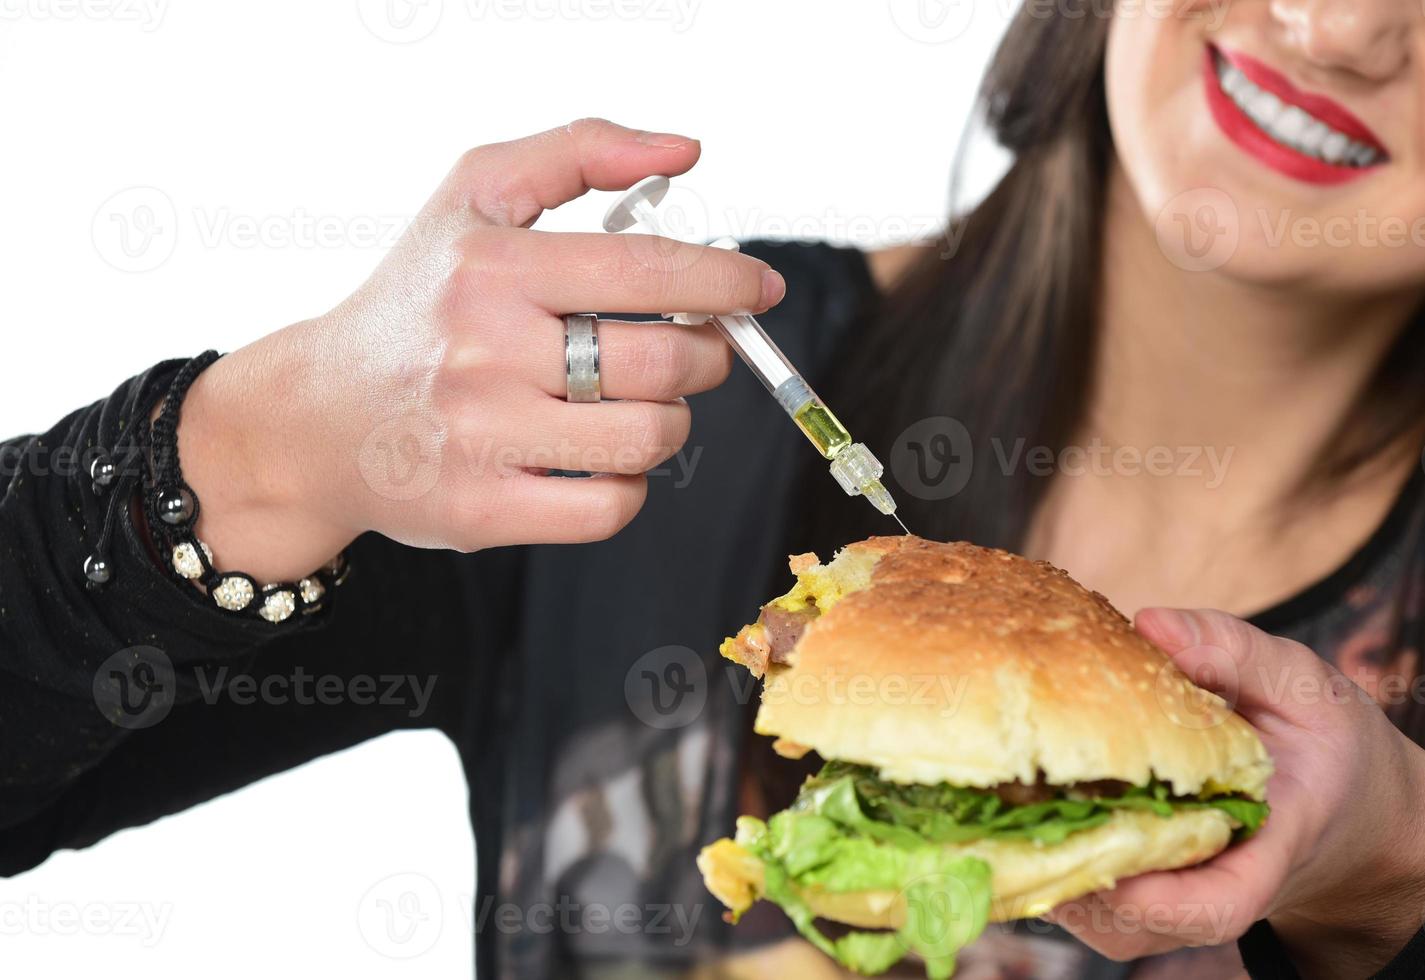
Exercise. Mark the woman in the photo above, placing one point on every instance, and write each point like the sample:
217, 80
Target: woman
1089, 302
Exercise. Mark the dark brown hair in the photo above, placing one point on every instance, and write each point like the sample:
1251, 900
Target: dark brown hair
993, 327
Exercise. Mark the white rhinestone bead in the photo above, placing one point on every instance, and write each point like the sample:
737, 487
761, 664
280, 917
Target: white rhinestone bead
186, 561
233, 593
277, 605
312, 590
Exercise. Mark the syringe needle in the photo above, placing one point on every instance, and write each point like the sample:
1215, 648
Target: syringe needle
901, 523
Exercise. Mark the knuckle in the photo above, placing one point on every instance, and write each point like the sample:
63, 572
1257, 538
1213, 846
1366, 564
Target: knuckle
610, 509
474, 162
664, 363
467, 367
737, 280
651, 433
587, 125
674, 421
641, 430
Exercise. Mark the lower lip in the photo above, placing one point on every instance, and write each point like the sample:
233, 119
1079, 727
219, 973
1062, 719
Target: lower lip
1241, 130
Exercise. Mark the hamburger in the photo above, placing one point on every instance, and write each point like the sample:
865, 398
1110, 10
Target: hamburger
995, 738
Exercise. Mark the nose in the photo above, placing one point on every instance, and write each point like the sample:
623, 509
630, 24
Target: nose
1370, 38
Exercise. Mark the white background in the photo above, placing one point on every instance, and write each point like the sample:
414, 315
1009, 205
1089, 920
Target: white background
184, 174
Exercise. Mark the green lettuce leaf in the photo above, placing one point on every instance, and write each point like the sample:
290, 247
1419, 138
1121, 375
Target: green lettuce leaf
947, 896
956, 814
850, 831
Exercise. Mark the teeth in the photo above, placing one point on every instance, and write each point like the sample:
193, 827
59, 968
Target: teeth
1291, 125
1231, 77
1333, 147
1312, 138
1363, 156
1264, 109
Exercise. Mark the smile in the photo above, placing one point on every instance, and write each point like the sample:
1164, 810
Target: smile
1306, 137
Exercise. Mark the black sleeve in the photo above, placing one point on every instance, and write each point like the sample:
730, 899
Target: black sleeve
120, 705
1266, 958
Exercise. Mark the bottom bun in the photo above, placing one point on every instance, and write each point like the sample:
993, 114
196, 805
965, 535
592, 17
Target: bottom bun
1028, 878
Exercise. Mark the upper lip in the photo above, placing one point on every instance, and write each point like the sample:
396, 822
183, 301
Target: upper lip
1328, 110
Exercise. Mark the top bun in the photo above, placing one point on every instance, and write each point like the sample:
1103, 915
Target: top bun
951, 662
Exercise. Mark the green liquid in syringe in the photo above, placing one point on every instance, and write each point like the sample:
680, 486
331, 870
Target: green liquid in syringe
824, 429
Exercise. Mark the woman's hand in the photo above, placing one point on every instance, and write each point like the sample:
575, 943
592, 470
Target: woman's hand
1339, 868
428, 404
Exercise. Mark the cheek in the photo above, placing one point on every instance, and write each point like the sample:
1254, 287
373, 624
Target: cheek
1152, 82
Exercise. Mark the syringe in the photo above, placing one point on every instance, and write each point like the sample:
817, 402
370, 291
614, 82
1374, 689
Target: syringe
853, 465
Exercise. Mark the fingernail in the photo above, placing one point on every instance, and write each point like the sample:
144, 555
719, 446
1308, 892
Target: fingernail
1173, 627
664, 141
774, 287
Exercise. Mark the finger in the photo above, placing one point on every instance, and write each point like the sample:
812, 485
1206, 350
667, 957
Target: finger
513, 183
565, 510
608, 437
655, 361
1252, 670
1207, 905
579, 273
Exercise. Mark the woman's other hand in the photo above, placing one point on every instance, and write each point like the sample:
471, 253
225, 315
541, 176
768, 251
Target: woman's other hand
1339, 867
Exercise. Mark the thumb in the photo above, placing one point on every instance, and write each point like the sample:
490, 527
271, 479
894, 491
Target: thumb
1256, 673
513, 183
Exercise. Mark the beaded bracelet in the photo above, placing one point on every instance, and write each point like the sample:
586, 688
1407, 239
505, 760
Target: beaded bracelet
172, 510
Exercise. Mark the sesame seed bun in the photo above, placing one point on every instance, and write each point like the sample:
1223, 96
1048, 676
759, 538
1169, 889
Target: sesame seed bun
950, 662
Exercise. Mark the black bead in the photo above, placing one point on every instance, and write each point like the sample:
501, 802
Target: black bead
175, 507
96, 569
102, 472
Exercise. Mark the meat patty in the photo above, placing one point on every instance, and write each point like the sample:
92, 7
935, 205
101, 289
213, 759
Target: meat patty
1020, 794
784, 628
771, 639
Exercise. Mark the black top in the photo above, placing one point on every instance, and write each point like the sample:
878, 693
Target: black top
599, 730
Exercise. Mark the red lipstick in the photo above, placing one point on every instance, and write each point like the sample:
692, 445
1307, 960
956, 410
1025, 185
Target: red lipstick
1241, 130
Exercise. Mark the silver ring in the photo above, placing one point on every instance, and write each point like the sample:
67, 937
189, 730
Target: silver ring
581, 357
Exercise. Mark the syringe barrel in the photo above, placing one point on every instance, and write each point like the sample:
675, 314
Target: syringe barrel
758, 350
